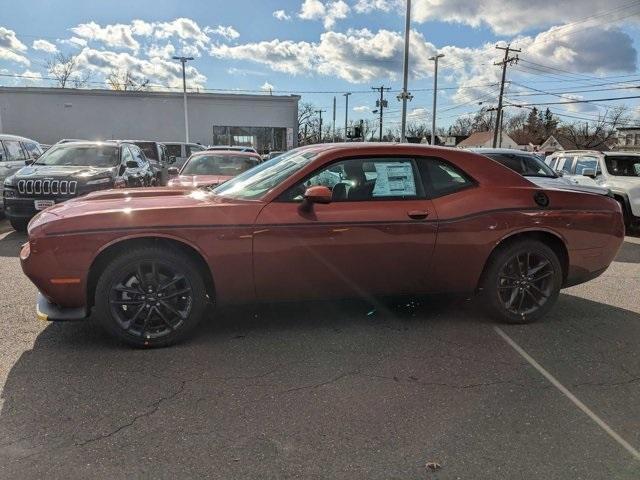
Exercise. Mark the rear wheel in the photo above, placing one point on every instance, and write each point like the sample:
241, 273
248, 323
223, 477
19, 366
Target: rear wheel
523, 281
150, 297
19, 224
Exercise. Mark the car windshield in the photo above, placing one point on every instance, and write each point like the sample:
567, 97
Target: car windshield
623, 166
525, 164
256, 182
149, 149
218, 164
80, 155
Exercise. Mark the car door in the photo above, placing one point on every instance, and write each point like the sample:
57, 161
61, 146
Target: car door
375, 237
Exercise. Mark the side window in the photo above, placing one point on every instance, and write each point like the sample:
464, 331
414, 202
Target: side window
174, 150
586, 163
32, 149
358, 180
443, 178
14, 150
565, 164
192, 149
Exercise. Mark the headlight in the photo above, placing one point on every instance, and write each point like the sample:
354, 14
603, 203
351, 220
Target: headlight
8, 192
99, 181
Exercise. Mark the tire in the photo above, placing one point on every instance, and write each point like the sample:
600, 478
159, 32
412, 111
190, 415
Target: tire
161, 310
19, 224
516, 294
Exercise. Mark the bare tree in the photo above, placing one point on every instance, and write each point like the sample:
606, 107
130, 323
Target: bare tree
598, 134
124, 80
418, 130
65, 69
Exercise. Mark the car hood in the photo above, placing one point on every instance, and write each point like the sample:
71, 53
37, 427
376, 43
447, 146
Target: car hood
155, 209
195, 181
54, 171
565, 184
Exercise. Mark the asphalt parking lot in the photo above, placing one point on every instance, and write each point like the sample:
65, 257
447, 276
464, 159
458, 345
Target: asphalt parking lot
332, 390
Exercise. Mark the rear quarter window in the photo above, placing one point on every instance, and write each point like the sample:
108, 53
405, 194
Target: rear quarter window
442, 178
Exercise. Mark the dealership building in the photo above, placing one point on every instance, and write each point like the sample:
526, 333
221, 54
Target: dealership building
266, 122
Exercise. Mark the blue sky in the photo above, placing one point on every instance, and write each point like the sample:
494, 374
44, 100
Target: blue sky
339, 45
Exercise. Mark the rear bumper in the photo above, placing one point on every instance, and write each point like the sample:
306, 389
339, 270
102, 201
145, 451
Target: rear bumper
48, 311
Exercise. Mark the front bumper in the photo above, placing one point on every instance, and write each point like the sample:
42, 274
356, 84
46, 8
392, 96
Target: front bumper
48, 311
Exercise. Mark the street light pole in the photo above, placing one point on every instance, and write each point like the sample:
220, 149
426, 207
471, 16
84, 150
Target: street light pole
405, 95
346, 113
184, 61
435, 96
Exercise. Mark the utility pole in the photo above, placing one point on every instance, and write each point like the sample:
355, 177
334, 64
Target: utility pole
334, 119
435, 96
346, 113
320, 112
404, 95
184, 61
381, 104
506, 61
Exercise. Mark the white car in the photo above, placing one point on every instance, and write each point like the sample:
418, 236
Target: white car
14, 152
181, 151
617, 171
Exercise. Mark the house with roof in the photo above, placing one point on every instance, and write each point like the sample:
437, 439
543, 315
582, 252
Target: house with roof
628, 139
485, 140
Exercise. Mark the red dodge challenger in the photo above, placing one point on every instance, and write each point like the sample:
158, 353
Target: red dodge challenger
212, 168
325, 221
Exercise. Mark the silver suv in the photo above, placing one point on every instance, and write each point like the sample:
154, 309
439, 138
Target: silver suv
617, 171
14, 152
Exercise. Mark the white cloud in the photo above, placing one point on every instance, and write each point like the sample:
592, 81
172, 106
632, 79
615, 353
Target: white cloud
419, 113
11, 48
267, 87
32, 77
162, 51
361, 108
328, 12
160, 72
281, 15
115, 36
44, 46
227, 32
508, 19
74, 42
244, 72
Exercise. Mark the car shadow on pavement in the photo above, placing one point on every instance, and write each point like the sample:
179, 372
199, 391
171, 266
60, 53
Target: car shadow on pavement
81, 404
629, 253
10, 243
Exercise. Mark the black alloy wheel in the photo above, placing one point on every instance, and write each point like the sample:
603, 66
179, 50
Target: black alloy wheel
150, 296
525, 283
151, 300
522, 281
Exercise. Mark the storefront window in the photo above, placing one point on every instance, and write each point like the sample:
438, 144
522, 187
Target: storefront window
263, 139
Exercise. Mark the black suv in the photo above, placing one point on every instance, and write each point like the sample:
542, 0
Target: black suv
69, 170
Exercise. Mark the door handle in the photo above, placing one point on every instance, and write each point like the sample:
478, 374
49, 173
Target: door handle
417, 214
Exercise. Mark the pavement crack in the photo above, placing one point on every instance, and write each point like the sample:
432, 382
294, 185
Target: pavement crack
151, 409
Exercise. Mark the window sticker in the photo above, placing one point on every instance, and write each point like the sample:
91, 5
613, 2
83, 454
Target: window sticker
395, 179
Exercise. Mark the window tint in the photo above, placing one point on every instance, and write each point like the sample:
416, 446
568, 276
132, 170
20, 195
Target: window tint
174, 150
358, 180
623, 166
32, 149
443, 178
14, 150
586, 163
149, 149
526, 165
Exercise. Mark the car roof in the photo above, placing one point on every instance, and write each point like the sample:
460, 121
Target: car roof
7, 136
231, 152
93, 143
485, 150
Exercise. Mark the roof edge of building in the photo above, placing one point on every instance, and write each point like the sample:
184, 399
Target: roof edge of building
107, 92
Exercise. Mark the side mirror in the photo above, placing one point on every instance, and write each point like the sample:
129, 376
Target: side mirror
28, 161
132, 164
317, 194
589, 172
560, 173
173, 171
172, 160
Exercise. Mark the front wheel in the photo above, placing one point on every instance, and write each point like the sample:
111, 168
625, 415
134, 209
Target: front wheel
150, 297
523, 281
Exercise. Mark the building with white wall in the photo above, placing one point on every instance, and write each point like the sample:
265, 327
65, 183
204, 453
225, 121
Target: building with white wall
266, 122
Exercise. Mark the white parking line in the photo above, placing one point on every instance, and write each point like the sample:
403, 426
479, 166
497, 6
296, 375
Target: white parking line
586, 410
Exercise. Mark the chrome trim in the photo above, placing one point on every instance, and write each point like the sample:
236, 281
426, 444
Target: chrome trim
47, 187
